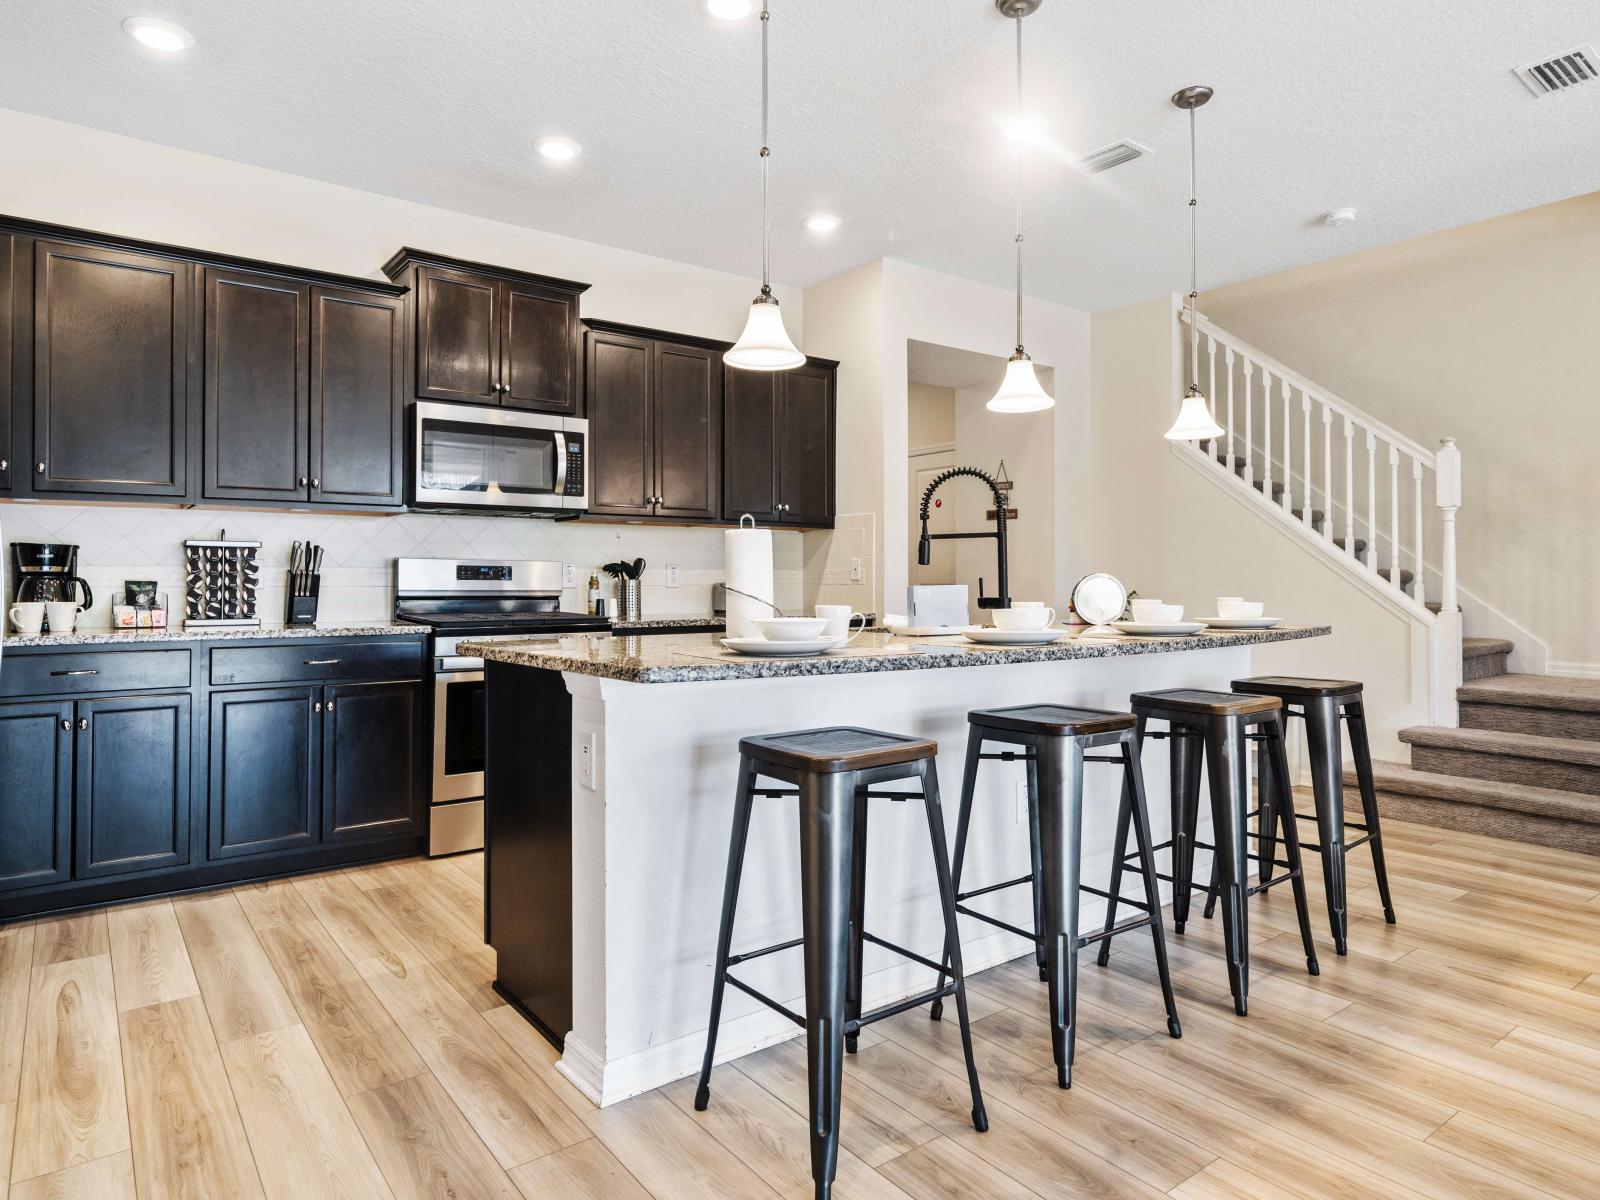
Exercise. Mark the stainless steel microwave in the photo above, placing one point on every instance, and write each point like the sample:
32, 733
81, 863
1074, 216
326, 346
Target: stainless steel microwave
467, 457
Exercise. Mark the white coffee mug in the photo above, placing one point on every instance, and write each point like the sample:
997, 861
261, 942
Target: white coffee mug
1146, 609
1024, 615
839, 619
62, 614
28, 617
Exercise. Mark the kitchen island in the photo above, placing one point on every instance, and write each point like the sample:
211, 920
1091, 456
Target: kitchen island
611, 768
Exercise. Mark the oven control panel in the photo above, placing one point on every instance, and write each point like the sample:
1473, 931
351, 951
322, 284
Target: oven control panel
574, 485
487, 572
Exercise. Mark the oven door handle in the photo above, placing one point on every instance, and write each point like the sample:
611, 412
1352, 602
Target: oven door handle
454, 665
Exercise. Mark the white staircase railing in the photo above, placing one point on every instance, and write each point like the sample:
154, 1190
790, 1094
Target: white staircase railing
1352, 482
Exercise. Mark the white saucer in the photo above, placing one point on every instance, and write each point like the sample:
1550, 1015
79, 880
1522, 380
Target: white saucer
1157, 628
765, 648
1241, 622
928, 630
988, 636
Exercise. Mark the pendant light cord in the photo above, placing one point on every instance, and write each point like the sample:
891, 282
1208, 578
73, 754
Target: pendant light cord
1017, 133
766, 156
1194, 270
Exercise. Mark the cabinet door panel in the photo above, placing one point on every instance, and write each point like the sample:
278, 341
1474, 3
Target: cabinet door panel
621, 466
356, 410
458, 336
255, 387
372, 761
539, 349
111, 371
750, 433
132, 785
7, 308
35, 795
688, 431
805, 446
264, 770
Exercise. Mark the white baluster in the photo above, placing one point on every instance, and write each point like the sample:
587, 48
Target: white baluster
1211, 392
1372, 503
1228, 361
1419, 588
1349, 488
1394, 517
1249, 446
1447, 495
1327, 471
1288, 451
1266, 433
1305, 459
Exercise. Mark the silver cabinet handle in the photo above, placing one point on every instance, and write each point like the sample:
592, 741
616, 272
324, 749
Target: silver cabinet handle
303, 481
317, 707
315, 482
5, 464
66, 724
321, 662
83, 723
88, 671
330, 705
38, 468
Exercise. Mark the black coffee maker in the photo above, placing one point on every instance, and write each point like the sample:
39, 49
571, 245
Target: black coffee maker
48, 571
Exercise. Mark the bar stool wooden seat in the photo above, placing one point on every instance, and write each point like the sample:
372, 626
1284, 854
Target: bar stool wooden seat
1322, 704
1216, 727
834, 773
1053, 740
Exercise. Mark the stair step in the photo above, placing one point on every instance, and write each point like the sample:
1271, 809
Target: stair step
1565, 764
1483, 658
1476, 647
1361, 545
1545, 705
1545, 816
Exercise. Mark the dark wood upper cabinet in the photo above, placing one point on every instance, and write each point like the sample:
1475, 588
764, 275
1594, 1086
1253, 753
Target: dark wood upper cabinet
357, 431
7, 303
371, 760
257, 402
490, 335
131, 790
688, 431
35, 794
110, 371
619, 370
778, 448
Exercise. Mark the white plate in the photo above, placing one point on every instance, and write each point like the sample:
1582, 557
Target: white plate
1241, 622
763, 647
928, 630
1157, 628
986, 636
1099, 598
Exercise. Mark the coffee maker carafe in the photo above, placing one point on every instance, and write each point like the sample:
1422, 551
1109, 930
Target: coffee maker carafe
48, 572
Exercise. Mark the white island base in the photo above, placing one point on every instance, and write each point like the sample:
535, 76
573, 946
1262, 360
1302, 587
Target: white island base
654, 768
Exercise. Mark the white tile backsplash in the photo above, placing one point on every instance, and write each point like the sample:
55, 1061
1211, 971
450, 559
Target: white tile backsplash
118, 543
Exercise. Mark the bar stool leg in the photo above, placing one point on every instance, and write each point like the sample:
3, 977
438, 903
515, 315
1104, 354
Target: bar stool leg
1134, 777
858, 916
1291, 844
1327, 786
826, 832
947, 899
1119, 852
1225, 758
1269, 808
969, 784
1061, 818
1034, 855
1362, 753
742, 804
1185, 818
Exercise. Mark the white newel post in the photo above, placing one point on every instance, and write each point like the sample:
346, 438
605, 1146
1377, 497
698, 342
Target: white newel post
1447, 496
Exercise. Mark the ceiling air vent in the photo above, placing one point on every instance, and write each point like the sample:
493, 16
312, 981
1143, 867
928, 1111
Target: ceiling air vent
1561, 72
1111, 156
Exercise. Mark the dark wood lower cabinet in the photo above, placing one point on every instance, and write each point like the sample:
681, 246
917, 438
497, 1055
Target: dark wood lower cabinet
371, 760
131, 789
264, 769
35, 794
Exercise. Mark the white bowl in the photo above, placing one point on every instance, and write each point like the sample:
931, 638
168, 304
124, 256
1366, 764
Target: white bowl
791, 629
1234, 610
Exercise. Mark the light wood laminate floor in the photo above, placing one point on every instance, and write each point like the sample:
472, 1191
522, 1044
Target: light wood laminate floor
335, 1036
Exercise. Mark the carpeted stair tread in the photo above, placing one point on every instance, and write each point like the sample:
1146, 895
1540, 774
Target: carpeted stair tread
1512, 797
1477, 647
1572, 693
1514, 745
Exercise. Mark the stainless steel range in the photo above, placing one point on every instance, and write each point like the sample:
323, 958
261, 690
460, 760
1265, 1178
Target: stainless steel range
462, 600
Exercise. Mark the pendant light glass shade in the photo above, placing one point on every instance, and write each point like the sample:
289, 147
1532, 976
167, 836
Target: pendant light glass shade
1019, 390
1195, 422
764, 345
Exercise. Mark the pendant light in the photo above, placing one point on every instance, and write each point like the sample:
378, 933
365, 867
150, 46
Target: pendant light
1019, 390
764, 345
1195, 422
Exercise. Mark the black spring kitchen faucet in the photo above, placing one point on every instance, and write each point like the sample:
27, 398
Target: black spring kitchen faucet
925, 542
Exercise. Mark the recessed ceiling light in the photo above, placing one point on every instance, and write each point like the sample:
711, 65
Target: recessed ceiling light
729, 10
821, 222
1340, 216
558, 148
1024, 127
158, 35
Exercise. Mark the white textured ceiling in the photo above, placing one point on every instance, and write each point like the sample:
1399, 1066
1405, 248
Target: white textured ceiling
949, 367
884, 111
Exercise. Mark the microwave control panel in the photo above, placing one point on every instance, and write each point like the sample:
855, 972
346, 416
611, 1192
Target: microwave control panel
575, 474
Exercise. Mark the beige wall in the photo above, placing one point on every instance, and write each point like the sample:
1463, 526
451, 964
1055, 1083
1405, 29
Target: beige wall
1489, 334
930, 415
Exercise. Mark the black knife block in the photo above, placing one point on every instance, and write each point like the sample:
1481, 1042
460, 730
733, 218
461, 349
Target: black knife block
302, 610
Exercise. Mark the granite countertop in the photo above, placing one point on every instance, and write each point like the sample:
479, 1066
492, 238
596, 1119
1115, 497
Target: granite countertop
692, 658
139, 637
669, 623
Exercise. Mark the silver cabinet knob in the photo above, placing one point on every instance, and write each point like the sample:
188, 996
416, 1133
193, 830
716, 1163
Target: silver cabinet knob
317, 707
83, 723
330, 705
315, 482
66, 724
38, 468
304, 481
5, 464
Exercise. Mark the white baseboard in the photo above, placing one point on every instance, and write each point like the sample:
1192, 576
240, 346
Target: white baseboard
1584, 670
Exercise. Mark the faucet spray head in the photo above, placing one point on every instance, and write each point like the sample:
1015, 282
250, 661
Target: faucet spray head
924, 546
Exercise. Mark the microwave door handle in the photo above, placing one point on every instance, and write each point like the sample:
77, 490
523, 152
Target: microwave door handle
561, 466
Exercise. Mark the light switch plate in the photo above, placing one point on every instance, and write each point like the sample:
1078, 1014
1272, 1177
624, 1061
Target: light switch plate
672, 574
588, 752
569, 574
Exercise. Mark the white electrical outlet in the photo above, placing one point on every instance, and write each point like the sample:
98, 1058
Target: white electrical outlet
856, 573
569, 574
588, 751
1022, 803
672, 574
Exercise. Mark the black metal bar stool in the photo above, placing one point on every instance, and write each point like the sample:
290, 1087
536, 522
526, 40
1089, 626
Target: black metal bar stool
1322, 704
1217, 726
833, 772
1053, 739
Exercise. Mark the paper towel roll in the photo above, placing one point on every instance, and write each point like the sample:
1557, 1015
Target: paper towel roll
747, 553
